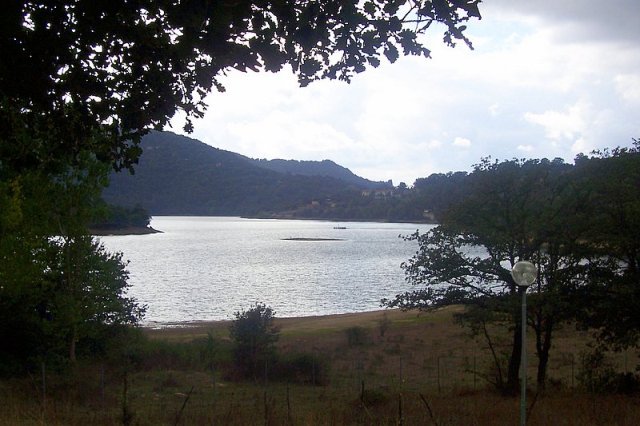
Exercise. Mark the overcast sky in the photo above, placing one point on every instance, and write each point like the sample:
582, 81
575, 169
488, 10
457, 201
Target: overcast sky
547, 78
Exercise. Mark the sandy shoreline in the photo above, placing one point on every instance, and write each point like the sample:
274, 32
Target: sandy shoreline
287, 324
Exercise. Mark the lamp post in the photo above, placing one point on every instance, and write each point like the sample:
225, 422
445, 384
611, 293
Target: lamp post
524, 274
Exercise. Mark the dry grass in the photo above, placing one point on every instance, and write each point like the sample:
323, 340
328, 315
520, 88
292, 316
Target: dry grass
420, 372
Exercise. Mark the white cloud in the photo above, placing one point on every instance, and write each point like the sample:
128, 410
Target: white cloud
562, 124
461, 142
433, 144
628, 87
581, 146
547, 79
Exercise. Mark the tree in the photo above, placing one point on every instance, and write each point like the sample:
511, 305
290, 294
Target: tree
86, 292
254, 336
96, 75
58, 285
514, 210
438, 192
611, 181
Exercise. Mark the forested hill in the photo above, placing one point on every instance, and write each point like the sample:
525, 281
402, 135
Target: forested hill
319, 168
178, 175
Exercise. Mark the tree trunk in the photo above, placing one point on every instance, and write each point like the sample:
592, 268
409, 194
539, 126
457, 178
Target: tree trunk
72, 345
543, 353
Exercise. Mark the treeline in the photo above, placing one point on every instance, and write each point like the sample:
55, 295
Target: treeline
181, 176
578, 224
117, 217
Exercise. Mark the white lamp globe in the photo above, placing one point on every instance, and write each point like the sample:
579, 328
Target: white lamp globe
524, 273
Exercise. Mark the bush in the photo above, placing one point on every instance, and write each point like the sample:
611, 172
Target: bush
597, 375
254, 337
302, 368
143, 353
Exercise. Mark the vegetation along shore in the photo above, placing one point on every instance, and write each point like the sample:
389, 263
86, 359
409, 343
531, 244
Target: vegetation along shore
383, 367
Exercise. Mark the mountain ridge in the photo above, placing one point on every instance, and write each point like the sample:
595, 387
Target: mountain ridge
178, 175
325, 167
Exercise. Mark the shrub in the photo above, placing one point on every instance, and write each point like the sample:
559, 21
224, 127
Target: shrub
597, 375
303, 368
254, 337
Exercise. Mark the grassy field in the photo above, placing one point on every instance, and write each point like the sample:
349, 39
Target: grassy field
372, 368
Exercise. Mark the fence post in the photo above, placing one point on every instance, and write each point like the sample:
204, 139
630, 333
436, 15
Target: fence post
475, 372
438, 374
289, 418
44, 393
102, 384
266, 403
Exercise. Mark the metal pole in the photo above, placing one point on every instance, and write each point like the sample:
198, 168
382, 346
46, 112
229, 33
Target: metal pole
524, 274
523, 362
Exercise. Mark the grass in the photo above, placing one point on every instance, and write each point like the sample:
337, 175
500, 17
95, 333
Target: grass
417, 371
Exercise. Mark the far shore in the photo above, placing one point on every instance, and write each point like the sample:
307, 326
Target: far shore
277, 216
126, 230
140, 230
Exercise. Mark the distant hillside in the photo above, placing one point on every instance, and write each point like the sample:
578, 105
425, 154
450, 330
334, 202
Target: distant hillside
319, 168
178, 175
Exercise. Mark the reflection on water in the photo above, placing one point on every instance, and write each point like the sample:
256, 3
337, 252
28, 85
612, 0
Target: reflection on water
206, 268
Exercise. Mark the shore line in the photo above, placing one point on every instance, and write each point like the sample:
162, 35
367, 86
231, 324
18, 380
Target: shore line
188, 330
128, 230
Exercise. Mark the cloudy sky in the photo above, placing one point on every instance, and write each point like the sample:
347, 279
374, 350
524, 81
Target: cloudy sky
547, 78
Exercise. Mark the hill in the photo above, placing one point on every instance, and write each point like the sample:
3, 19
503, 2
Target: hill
178, 175
319, 168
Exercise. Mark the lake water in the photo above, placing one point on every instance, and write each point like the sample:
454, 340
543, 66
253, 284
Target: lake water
207, 268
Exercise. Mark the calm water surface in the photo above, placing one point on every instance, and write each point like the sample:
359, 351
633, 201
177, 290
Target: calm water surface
206, 268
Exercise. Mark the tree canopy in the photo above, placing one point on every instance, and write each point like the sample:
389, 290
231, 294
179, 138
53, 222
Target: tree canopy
97, 74
60, 291
577, 224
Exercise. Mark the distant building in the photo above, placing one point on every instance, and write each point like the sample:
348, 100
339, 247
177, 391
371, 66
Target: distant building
378, 193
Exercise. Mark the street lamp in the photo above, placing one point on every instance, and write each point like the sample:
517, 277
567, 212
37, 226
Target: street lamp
524, 274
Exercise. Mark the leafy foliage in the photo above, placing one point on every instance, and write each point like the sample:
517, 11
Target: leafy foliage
60, 290
612, 184
117, 68
254, 337
598, 375
514, 210
122, 217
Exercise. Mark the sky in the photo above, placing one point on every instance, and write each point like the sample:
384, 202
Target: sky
546, 79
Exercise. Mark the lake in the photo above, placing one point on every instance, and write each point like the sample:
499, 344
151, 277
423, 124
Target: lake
207, 268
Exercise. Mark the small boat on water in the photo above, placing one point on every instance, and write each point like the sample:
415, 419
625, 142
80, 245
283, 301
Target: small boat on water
339, 227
